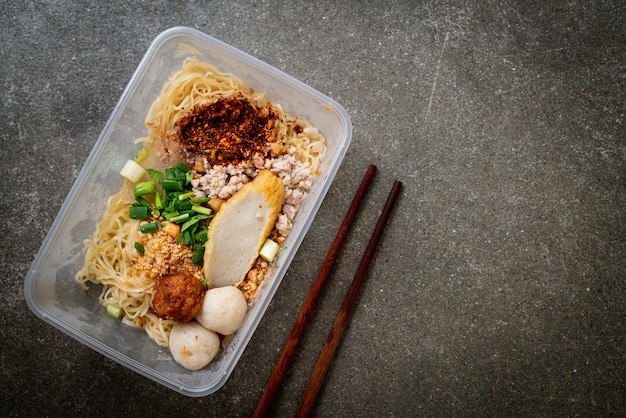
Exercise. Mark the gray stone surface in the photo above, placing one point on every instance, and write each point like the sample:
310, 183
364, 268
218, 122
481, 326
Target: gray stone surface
499, 287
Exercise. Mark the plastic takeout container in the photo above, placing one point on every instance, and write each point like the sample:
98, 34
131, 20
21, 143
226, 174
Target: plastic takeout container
50, 289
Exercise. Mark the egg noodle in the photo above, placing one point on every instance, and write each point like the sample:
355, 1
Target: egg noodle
110, 252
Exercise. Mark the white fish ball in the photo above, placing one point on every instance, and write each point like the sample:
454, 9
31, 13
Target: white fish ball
192, 345
223, 310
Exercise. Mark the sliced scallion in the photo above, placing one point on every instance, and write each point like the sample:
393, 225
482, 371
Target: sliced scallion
149, 227
170, 173
141, 201
155, 174
132, 171
183, 205
193, 221
201, 209
188, 177
179, 218
198, 255
269, 250
139, 212
144, 187
202, 236
140, 248
172, 185
170, 215
141, 155
188, 237
185, 196
158, 203
115, 311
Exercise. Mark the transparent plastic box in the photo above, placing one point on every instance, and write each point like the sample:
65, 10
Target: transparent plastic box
50, 289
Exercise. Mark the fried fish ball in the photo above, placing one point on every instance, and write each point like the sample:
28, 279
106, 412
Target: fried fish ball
192, 345
178, 297
223, 310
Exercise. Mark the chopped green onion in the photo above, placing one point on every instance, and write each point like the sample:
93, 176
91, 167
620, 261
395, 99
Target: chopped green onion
185, 196
189, 212
170, 208
204, 283
188, 237
170, 215
158, 203
115, 311
183, 205
189, 224
139, 212
176, 203
140, 249
201, 209
172, 185
193, 221
170, 173
202, 236
179, 218
198, 255
173, 195
269, 250
141, 155
144, 187
141, 201
176, 173
151, 227
155, 174
132, 171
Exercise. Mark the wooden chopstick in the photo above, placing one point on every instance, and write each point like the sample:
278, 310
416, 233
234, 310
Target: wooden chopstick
280, 370
317, 377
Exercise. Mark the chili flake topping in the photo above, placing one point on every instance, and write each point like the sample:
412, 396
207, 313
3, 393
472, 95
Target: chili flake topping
229, 130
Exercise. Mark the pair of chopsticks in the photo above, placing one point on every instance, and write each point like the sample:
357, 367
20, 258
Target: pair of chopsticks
317, 377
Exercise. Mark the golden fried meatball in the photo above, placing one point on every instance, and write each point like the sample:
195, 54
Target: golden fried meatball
178, 296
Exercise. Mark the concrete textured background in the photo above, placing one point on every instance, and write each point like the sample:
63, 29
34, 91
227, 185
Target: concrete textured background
499, 288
